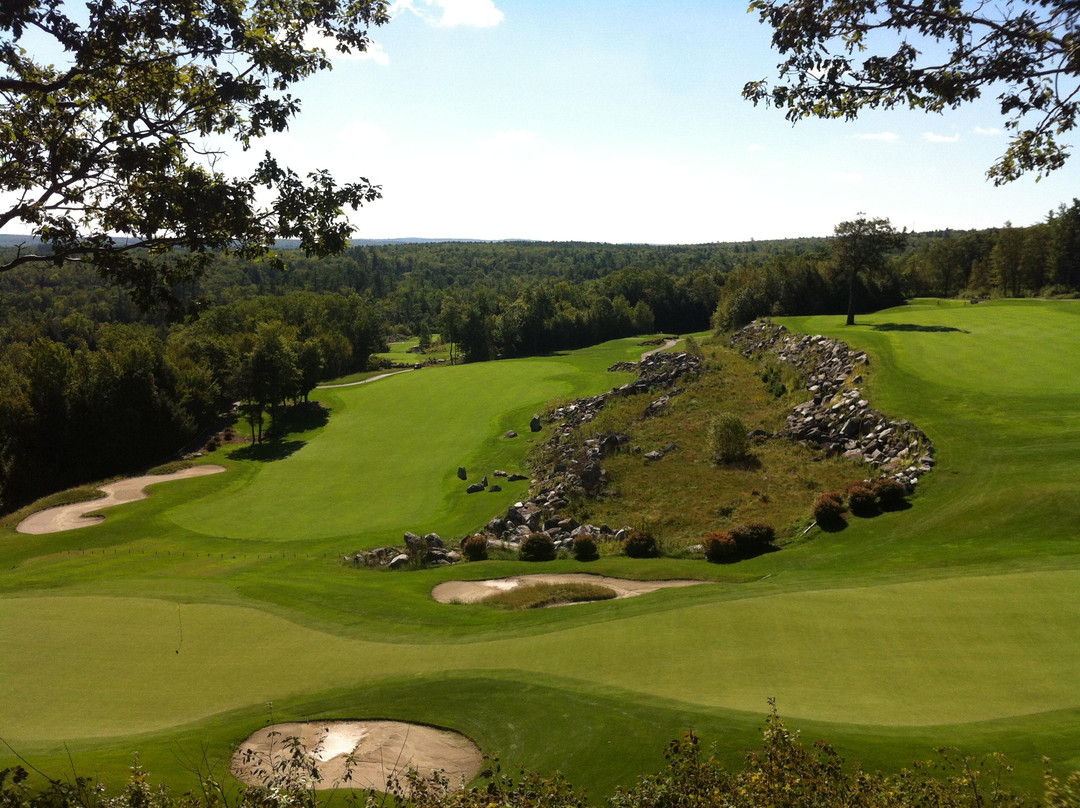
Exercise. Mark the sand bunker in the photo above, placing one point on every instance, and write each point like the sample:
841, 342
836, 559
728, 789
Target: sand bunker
70, 517
379, 750
476, 591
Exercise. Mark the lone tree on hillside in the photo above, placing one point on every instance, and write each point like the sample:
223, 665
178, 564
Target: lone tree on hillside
113, 117
845, 55
861, 246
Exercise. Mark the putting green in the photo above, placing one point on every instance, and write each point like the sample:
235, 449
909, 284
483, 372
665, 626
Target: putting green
940, 652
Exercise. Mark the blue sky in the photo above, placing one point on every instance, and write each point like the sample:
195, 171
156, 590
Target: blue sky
622, 121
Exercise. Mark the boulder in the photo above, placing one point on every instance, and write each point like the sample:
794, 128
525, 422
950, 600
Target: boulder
462, 475
534, 424
398, 561
510, 434
475, 488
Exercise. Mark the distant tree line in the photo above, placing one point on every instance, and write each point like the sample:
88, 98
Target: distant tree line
1040, 260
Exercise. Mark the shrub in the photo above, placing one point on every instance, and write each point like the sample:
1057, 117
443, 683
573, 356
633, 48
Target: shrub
753, 537
890, 493
828, 508
475, 548
861, 499
719, 546
584, 548
640, 544
537, 547
727, 438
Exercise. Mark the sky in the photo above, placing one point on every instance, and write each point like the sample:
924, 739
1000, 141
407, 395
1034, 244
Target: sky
622, 121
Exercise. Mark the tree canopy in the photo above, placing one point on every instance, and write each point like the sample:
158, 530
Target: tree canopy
109, 155
843, 56
861, 246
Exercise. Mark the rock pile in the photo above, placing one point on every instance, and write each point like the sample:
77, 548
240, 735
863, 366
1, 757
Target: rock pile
576, 468
838, 419
420, 551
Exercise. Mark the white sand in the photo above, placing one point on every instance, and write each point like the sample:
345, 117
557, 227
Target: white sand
378, 750
70, 517
476, 591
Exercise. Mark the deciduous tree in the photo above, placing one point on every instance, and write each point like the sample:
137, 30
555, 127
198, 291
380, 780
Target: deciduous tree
114, 116
861, 246
843, 56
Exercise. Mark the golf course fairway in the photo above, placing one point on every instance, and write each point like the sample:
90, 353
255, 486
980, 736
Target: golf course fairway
220, 604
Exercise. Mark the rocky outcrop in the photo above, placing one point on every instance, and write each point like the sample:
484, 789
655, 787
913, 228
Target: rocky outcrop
576, 469
838, 419
419, 551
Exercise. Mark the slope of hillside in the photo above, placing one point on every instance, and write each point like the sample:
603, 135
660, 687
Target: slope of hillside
173, 624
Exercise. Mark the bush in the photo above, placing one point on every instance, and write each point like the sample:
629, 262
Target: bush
891, 494
719, 546
828, 508
753, 537
640, 544
861, 499
728, 441
584, 548
537, 547
475, 548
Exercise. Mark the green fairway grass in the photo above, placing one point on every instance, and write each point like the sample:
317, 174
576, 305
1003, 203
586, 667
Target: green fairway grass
956, 621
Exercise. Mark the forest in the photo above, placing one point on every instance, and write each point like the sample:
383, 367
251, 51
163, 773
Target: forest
93, 385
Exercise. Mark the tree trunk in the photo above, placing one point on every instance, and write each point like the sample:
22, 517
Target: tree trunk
851, 299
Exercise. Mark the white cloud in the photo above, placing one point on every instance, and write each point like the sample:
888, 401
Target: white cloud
375, 51
933, 137
755, 147
980, 130
883, 136
449, 13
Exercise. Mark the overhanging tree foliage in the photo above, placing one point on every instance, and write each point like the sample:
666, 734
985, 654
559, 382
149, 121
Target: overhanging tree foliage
842, 56
114, 115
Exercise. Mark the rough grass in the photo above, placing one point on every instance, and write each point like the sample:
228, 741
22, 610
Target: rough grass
687, 494
542, 595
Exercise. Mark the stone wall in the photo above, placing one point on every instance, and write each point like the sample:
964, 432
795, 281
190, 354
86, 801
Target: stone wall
838, 419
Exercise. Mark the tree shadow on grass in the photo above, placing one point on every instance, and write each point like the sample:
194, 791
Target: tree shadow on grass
833, 525
927, 329
748, 463
301, 417
269, 450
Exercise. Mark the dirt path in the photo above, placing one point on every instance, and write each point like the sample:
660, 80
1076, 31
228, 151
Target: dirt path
370, 751
671, 343
476, 591
364, 381
70, 517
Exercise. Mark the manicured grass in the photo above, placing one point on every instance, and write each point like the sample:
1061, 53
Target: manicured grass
953, 622
430, 422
